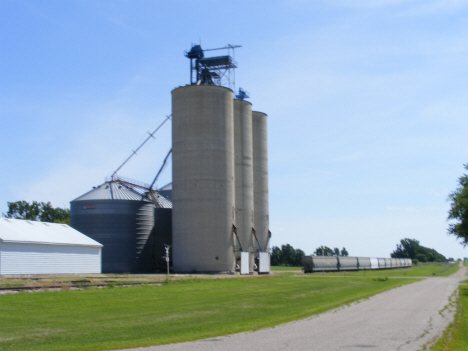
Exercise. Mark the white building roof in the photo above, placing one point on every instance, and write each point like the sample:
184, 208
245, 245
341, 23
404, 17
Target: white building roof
22, 231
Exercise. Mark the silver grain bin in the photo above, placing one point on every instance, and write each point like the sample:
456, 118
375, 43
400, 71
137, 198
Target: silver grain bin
125, 223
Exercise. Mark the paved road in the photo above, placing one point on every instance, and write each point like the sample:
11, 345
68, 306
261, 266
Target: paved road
401, 319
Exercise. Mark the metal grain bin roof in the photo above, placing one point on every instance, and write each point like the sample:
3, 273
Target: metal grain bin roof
163, 202
112, 191
23, 231
115, 190
166, 187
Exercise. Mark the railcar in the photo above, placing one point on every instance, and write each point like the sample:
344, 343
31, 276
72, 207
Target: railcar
349, 263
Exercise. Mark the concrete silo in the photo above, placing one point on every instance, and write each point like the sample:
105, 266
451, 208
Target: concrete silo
260, 178
203, 179
244, 191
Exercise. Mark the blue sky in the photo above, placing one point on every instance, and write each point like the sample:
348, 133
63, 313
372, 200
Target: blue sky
367, 104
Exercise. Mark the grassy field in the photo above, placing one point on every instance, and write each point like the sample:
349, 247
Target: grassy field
111, 318
284, 268
419, 270
455, 337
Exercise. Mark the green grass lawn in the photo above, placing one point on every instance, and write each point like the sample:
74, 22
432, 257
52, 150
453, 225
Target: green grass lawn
112, 318
419, 270
455, 338
284, 268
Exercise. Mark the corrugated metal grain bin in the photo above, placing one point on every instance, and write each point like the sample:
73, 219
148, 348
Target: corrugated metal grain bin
347, 263
29, 247
129, 226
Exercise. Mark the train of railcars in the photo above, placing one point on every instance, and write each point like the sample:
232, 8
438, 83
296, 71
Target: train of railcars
347, 263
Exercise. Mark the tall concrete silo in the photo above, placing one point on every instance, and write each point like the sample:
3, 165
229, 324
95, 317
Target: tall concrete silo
244, 192
203, 179
260, 177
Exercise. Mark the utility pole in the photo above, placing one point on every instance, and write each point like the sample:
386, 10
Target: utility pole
167, 260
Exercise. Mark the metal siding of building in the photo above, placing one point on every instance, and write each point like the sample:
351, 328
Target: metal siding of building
244, 192
203, 179
260, 174
28, 258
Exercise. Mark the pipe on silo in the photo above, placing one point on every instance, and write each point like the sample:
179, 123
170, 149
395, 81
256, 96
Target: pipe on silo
244, 191
260, 176
203, 179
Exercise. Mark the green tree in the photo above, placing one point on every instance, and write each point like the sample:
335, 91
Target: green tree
286, 256
344, 252
324, 251
459, 210
421, 257
410, 248
37, 211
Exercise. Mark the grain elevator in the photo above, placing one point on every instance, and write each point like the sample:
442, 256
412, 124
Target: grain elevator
214, 214
220, 220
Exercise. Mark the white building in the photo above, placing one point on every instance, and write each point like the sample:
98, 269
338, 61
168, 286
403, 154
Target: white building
28, 247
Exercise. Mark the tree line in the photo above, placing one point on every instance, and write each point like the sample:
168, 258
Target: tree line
410, 248
286, 255
37, 211
326, 251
